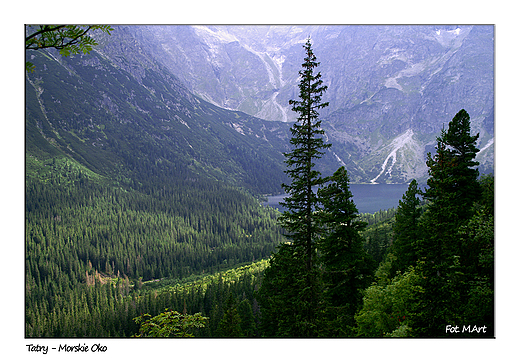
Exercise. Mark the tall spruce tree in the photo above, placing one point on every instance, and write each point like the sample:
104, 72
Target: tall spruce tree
452, 190
347, 267
299, 219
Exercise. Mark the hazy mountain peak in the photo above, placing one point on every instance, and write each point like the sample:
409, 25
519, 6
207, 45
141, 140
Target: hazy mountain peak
214, 34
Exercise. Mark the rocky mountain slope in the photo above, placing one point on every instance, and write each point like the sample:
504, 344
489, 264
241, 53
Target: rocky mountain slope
388, 85
214, 99
118, 114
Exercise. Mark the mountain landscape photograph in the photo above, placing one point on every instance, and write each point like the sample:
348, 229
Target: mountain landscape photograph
258, 181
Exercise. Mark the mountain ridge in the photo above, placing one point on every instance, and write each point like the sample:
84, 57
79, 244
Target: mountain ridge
123, 118
382, 81
169, 83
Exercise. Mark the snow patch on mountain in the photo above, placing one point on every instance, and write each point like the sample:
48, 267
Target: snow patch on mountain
217, 36
339, 159
237, 127
214, 39
410, 71
453, 37
488, 144
396, 144
392, 83
453, 32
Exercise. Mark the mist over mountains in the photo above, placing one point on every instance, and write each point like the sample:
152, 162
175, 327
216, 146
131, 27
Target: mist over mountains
391, 89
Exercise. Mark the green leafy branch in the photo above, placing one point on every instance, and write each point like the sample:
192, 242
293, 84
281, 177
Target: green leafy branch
68, 39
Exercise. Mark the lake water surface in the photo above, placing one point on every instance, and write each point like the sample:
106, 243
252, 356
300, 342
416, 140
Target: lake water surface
369, 198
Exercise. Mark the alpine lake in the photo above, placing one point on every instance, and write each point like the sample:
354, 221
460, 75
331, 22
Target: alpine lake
369, 198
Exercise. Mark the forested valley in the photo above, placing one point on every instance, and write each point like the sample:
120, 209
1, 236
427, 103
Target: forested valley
150, 243
90, 248
99, 256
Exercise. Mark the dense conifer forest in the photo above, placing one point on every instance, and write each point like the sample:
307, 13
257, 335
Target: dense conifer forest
84, 239
97, 257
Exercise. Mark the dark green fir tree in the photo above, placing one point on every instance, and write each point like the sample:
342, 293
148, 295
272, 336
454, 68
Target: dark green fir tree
229, 325
347, 267
452, 189
299, 219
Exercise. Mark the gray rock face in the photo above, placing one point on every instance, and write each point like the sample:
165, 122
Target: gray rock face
389, 86
391, 89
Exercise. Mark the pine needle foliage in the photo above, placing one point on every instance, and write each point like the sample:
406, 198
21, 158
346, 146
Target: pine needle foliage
294, 267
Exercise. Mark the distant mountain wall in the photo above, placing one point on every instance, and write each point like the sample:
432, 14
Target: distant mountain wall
216, 98
385, 82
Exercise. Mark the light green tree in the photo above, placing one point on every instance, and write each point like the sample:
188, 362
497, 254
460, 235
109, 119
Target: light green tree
169, 324
388, 303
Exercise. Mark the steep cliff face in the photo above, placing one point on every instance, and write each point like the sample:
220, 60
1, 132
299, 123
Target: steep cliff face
412, 79
384, 82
